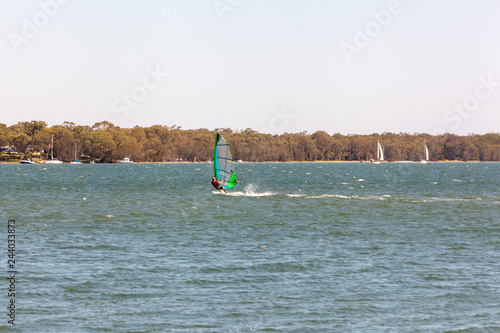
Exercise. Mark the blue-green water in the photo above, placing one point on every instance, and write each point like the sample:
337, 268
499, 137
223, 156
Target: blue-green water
295, 247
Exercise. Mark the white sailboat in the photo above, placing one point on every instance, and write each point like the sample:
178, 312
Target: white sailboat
76, 161
426, 151
52, 159
380, 154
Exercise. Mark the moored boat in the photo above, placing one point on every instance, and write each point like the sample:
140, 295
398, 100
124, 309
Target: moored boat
126, 160
52, 159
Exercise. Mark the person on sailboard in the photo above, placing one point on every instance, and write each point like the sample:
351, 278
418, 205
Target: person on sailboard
217, 184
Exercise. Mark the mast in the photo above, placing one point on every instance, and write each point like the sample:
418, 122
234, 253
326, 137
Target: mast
52, 147
216, 164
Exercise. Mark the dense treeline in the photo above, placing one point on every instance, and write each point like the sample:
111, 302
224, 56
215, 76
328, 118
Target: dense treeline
105, 142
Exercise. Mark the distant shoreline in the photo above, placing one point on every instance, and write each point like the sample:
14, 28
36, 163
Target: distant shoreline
353, 162
105, 142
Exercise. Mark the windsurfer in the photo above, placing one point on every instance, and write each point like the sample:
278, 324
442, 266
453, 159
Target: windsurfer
218, 185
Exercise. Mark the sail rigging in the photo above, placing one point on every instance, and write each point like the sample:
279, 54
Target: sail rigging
52, 159
223, 163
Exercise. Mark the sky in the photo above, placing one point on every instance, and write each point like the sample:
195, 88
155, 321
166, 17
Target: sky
349, 67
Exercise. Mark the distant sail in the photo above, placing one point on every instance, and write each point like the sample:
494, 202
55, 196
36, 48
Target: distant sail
223, 163
426, 152
380, 152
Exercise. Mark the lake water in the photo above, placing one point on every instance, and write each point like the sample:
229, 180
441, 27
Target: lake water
295, 247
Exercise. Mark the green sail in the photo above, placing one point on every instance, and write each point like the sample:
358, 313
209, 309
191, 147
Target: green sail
223, 163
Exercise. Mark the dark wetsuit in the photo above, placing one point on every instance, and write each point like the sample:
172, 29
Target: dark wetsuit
217, 184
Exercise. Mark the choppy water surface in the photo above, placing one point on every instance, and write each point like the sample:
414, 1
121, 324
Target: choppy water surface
295, 247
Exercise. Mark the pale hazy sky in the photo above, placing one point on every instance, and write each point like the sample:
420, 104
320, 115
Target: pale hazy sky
275, 66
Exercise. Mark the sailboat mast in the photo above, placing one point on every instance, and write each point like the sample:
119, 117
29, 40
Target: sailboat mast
378, 150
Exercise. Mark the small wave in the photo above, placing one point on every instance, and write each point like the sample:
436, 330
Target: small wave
339, 196
436, 199
350, 197
322, 196
450, 199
